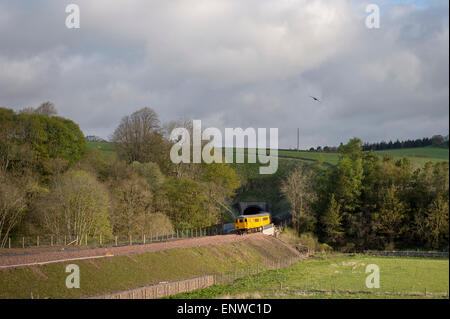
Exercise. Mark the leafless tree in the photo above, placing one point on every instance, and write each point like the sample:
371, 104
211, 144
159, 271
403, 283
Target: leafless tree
132, 199
13, 203
138, 136
298, 189
47, 109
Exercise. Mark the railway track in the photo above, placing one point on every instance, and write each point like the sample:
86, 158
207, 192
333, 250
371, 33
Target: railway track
22, 258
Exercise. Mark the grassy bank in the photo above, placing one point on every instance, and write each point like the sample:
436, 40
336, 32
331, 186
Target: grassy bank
112, 274
340, 276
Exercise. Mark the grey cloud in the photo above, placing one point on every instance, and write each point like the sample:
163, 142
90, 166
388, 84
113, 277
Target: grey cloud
234, 64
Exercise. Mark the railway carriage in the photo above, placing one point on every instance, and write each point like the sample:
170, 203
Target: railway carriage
251, 223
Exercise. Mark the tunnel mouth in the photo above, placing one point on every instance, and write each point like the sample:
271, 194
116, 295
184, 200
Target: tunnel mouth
252, 210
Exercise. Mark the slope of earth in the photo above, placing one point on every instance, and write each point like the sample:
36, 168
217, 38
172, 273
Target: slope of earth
138, 266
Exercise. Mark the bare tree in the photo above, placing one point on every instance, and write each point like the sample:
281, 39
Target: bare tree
47, 109
12, 205
132, 199
298, 189
138, 136
27, 110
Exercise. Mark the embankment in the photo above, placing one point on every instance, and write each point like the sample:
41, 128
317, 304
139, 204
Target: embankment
118, 273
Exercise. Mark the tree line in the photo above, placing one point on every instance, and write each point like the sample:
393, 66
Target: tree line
436, 140
52, 182
368, 202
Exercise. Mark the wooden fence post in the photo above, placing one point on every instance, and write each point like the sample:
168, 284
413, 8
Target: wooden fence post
100, 239
9, 242
131, 241
23, 242
144, 239
115, 239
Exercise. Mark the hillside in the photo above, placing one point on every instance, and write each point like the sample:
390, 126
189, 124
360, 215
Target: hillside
112, 274
257, 187
418, 156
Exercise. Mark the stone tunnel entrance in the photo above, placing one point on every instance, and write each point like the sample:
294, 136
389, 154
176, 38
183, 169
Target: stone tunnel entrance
250, 208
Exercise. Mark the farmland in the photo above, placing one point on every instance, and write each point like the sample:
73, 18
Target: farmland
340, 276
418, 156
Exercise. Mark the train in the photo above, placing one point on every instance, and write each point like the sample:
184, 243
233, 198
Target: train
251, 223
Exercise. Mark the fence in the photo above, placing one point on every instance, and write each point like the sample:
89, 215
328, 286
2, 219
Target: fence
406, 253
162, 289
165, 289
102, 241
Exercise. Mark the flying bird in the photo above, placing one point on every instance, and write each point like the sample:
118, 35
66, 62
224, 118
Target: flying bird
314, 98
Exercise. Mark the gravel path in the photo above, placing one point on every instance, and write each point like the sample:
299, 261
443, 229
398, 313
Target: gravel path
22, 257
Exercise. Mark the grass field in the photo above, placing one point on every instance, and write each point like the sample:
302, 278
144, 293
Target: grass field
418, 156
112, 274
107, 149
331, 158
340, 276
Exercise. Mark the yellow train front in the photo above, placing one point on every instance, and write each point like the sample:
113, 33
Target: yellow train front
251, 223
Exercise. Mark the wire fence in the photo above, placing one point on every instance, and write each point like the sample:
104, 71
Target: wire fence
109, 241
166, 289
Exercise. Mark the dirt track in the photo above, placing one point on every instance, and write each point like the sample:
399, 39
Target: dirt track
24, 256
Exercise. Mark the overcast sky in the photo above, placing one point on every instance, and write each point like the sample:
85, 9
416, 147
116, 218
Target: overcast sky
235, 63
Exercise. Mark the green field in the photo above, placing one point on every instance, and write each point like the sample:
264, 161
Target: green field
340, 276
418, 156
331, 158
107, 149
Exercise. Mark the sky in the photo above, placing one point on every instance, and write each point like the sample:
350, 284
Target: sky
235, 63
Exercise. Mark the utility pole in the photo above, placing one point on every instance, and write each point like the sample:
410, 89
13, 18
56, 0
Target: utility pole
298, 139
